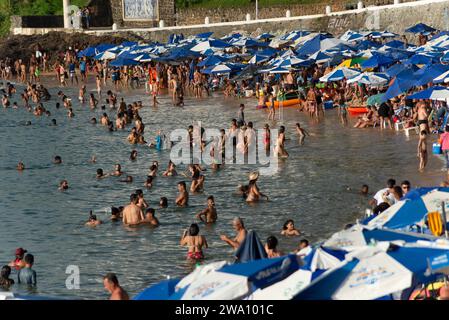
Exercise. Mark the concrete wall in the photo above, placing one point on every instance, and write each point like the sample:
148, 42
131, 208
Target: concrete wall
394, 18
189, 16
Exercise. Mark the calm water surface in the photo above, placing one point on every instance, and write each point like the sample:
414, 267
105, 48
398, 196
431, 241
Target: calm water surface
310, 187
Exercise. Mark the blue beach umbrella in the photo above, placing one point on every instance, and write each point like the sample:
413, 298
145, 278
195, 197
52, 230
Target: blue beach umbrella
204, 35
420, 28
210, 44
377, 60
428, 73
238, 280
433, 93
120, 62
210, 61
371, 78
402, 82
359, 236
265, 36
159, 291
251, 249
378, 271
339, 74
410, 213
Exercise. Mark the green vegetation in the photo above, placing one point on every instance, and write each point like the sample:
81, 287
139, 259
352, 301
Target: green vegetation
32, 8
237, 3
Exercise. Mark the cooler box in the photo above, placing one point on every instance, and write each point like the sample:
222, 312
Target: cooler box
328, 105
436, 148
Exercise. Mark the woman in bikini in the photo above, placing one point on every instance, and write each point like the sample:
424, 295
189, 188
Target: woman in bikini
195, 242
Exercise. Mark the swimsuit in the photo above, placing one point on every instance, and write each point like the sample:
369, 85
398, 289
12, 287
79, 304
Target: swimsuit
195, 255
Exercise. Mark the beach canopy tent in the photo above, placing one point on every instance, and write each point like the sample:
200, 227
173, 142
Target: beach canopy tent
432, 93
159, 291
339, 74
411, 214
236, 281
420, 28
388, 268
358, 236
120, 62
371, 78
251, 249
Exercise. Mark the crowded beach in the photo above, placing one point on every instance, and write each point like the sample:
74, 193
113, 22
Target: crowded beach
371, 80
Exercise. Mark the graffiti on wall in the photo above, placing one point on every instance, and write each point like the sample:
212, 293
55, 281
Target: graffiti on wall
140, 9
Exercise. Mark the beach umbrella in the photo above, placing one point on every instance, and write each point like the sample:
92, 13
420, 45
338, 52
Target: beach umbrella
88, 52
339, 74
433, 93
218, 69
264, 36
120, 62
419, 59
352, 62
159, 291
317, 43
406, 214
378, 271
210, 61
359, 236
239, 280
257, 58
395, 69
395, 44
420, 28
371, 78
247, 73
403, 81
379, 34
445, 57
251, 249
375, 99
377, 60
320, 57
428, 73
107, 55
204, 35
444, 77
210, 44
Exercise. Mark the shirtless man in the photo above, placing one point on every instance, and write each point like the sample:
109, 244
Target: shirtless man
423, 117
239, 227
132, 213
197, 84
183, 197
111, 284
93, 222
210, 213
311, 102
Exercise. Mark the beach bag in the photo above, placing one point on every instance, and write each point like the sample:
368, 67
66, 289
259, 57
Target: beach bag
436, 148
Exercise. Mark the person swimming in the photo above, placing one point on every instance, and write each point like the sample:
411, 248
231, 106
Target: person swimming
171, 170
128, 179
253, 190
183, 198
148, 182
150, 218
63, 185
93, 222
20, 166
133, 155
163, 202
57, 160
289, 229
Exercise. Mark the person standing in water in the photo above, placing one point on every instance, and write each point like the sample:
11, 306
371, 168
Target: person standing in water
132, 213
112, 285
194, 241
302, 133
183, 198
271, 107
280, 147
253, 190
208, 215
239, 227
422, 150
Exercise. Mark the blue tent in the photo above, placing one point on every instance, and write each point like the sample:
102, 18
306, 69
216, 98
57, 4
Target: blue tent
158, 291
376, 60
251, 249
420, 28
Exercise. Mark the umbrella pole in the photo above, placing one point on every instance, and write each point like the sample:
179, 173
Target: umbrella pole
443, 209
